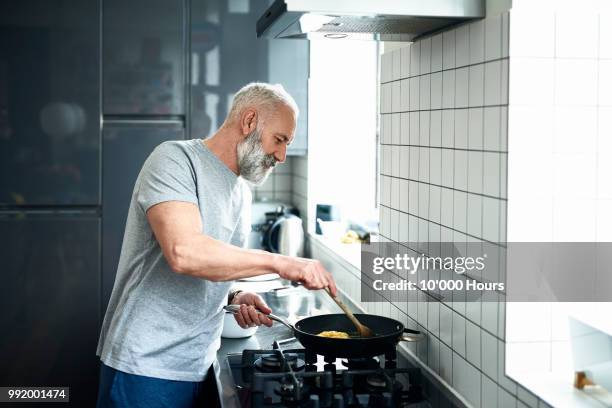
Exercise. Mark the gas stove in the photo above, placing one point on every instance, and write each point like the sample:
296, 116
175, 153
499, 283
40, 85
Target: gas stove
298, 378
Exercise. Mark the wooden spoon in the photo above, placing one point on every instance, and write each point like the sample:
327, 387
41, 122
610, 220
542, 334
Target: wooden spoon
364, 331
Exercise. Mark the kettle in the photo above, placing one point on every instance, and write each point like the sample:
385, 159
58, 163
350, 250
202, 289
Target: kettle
285, 236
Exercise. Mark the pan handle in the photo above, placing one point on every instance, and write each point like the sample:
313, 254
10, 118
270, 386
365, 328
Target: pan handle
412, 335
236, 308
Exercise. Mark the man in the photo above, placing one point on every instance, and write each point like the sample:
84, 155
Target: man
183, 246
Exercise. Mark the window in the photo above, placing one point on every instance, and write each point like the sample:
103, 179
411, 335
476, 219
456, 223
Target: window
342, 124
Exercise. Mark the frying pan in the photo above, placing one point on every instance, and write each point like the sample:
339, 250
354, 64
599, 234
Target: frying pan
387, 333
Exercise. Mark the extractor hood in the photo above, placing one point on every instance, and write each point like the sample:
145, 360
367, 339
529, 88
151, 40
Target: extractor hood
384, 20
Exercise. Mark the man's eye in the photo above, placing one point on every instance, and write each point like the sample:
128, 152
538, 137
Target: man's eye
278, 141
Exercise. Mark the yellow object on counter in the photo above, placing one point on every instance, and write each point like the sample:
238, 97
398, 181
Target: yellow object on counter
350, 237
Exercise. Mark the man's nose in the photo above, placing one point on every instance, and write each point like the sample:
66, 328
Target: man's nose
281, 154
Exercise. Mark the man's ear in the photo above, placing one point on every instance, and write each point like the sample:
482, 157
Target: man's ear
248, 122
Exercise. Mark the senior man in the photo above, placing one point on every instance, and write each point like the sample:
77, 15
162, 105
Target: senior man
183, 246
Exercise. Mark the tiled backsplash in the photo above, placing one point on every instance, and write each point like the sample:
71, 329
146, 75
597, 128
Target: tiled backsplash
288, 184
278, 186
444, 110
299, 193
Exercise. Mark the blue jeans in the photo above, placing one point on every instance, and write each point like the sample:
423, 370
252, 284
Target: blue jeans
122, 390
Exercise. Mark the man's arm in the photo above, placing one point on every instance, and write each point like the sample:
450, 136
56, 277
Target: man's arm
178, 229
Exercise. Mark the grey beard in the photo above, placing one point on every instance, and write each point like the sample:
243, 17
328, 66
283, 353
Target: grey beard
253, 163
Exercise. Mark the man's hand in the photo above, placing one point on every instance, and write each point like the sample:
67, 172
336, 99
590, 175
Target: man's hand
250, 304
310, 272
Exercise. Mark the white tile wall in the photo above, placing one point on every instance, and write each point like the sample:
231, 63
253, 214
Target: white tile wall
415, 54
461, 129
475, 128
459, 333
436, 53
425, 57
477, 39
462, 87
448, 89
435, 128
462, 45
451, 150
466, 379
448, 49
493, 37
536, 36
576, 34
477, 85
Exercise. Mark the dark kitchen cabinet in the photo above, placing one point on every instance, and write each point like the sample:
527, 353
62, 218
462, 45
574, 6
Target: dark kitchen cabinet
49, 102
50, 301
126, 147
144, 57
226, 55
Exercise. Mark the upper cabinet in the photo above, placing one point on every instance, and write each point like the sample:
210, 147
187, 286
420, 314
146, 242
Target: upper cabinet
144, 57
226, 55
289, 65
49, 102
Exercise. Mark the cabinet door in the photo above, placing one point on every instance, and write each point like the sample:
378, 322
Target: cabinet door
144, 57
126, 147
49, 102
50, 302
289, 66
226, 55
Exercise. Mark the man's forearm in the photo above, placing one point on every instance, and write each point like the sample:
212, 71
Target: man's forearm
208, 258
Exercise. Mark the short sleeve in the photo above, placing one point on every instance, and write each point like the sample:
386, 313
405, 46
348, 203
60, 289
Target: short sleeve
167, 175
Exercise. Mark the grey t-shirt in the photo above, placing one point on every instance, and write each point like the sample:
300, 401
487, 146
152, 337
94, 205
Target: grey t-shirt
159, 323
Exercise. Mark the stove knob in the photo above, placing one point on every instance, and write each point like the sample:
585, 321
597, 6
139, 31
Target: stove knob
338, 401
314, 401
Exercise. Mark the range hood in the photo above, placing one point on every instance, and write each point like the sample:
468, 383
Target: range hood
384, 20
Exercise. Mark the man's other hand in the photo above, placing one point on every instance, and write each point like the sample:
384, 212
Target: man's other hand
251, 304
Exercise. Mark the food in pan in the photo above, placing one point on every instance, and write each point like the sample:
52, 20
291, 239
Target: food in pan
334, 334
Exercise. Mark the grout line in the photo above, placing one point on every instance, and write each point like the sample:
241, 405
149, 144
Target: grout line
447, 148
441, 186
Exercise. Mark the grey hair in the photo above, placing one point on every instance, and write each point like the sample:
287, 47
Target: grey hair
261, 95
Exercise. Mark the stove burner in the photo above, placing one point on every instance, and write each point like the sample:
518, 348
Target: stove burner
298, 378
273, 363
